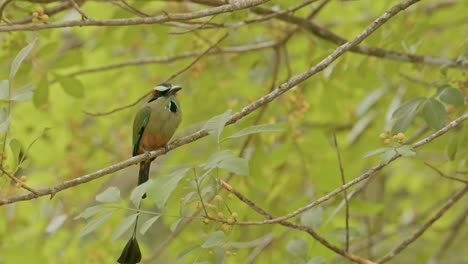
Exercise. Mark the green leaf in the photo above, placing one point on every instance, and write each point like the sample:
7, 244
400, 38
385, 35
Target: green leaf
256, 129
163, 186
175, 225
360, 126
110, 195
450, 95
71, 86
138, 192
15, 147
216, 158
146, 225
369, 101
24, 93
298, 247
375, 152
434, 113
387, 155
406, 151
20, 58
235, 165
214, 239
215, 125
4, 120
41, 94
95, 223
124, 226
312, 218
90, 211
404, 114
4, 90
316, 260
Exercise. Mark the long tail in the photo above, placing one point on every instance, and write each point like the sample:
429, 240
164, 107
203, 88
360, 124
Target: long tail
131, 253
143, 174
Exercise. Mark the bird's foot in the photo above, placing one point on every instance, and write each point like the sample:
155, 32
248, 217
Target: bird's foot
148, 155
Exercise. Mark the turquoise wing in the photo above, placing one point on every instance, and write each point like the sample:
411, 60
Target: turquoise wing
139, 125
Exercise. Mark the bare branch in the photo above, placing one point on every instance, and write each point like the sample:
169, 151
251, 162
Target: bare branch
424, 227
197, 58
234, 6
441, 174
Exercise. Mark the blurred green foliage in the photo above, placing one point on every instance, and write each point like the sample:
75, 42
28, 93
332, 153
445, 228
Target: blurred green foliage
289, 161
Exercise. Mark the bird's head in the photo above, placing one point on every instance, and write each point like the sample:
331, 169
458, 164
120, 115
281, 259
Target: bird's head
164, 90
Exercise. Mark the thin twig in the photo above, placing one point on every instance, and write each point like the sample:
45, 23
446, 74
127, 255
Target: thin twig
234, 6
441, 174
167, 80
134, 10
345, 194
193, 29
197, 58
78, 9
2, 8
424, 227
18, 181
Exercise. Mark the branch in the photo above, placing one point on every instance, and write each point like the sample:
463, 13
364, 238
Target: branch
143, 61
326, 34
309, 230
335, 143
292, 82
356, 180
167, 80
234, 6
425, 226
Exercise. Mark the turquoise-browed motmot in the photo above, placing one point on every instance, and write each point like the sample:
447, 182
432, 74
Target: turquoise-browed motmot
153, 126
155, 123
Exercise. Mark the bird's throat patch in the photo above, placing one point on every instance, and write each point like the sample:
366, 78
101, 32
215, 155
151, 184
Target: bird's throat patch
172, 106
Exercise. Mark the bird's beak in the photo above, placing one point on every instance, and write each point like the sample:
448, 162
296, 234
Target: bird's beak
175, 89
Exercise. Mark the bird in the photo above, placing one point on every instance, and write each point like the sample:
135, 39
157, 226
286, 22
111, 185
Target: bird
154, 125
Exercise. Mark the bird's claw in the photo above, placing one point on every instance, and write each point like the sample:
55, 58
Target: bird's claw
147, 154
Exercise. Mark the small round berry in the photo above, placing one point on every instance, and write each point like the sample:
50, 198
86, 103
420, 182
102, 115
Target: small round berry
45, 18
206, 221
230, 221
234, 215
18, 185
23, 178
227, 253
40, 10
220, 215
387, 141
35, 14
383, 135
218, 198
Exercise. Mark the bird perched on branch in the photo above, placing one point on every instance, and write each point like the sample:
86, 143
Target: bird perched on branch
153, 127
